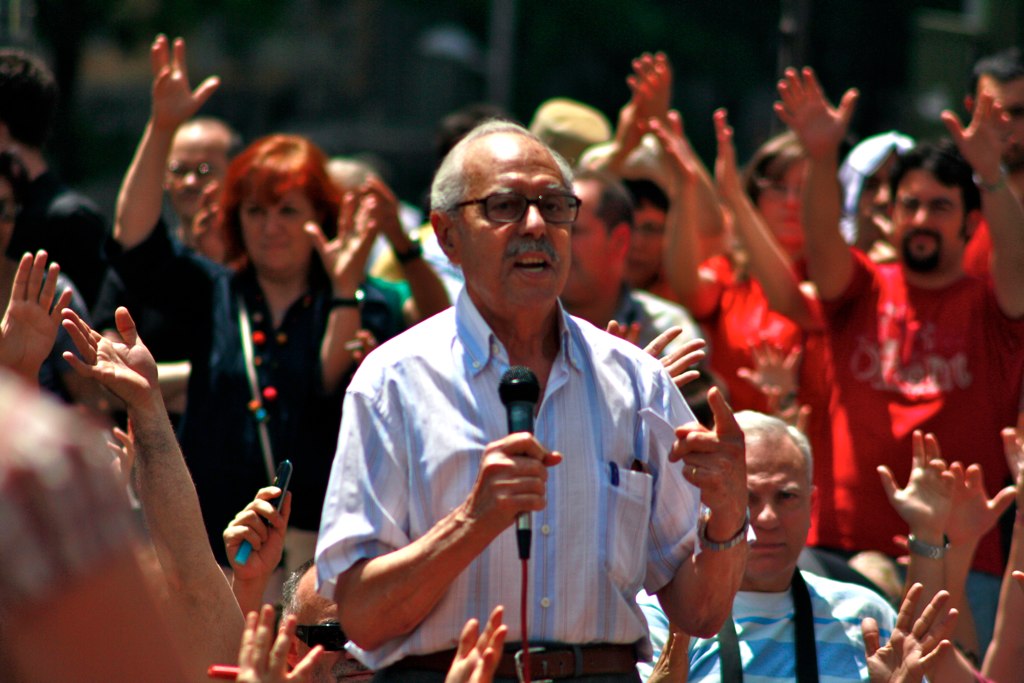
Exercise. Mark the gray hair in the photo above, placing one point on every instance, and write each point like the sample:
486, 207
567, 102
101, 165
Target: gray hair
449, 186
290, 589
755, 424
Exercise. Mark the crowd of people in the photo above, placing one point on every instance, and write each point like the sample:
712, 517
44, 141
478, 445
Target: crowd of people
510, 419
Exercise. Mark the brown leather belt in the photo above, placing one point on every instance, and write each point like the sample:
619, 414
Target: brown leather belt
547, 662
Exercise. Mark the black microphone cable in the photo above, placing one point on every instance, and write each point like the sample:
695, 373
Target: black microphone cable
519, 391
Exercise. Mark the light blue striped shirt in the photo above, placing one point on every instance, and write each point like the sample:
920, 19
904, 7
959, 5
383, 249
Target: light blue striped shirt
417, 416
765, 630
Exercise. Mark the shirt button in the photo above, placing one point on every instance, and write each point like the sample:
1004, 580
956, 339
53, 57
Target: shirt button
545, 529
476, 364
545, 602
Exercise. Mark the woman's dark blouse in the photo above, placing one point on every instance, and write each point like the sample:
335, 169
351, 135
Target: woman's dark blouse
218, 433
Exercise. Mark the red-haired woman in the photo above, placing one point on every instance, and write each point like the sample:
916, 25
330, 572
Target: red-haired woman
267, 338
295, 300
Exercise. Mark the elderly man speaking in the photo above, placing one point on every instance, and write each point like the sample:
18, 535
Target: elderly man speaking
418, 525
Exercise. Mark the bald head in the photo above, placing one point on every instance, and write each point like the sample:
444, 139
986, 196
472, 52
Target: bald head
449, 186
199, 155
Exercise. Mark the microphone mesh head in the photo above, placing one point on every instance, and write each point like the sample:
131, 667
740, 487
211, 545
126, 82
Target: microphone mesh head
519, 384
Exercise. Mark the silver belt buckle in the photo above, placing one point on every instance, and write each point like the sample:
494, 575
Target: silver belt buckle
519, 666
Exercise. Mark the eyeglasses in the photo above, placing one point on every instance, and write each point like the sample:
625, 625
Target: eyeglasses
510, 207
8, 210
328, 634
179, 170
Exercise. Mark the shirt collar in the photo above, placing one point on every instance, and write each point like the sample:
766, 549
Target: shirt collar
482, 345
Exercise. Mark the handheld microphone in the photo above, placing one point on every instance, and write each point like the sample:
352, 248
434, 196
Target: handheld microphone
519, 391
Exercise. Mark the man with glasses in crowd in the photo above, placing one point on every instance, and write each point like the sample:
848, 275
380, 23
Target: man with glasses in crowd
318, 625
416, 532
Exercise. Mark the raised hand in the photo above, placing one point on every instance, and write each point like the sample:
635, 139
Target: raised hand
478, 654
630, 333
174, 101
680, 155
926, 502
125, 366
1013, 448
344, 257
651, 84
124, 452
980, 142
915, 647
30, 323
382, 212
809, 114
264, 659
207, 230
264, 528
678, 362
727, 175
775, 374
714, 460
974, 513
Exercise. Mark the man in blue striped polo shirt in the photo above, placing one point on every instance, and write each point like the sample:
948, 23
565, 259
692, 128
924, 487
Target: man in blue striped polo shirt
786, 625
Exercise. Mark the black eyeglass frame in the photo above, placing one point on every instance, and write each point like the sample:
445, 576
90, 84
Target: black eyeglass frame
526, 206
328, 634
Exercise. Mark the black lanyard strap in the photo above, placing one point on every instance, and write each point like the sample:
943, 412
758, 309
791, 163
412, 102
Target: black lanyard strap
806, 647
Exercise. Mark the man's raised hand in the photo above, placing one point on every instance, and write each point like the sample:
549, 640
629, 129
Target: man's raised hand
31, 321
174, 101
808, 113
714, 460
125, 366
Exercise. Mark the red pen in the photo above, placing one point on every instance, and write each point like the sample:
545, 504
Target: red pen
227, 672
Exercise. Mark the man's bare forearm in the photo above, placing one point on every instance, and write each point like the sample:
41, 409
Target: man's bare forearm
699, 598
407, 584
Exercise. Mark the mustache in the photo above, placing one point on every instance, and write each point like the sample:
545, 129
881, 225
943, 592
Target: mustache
926, 232
524, 245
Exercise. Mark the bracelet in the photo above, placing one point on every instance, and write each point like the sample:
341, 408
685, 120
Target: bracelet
707, 544
341, 302
999, 184
932, 552
414, 252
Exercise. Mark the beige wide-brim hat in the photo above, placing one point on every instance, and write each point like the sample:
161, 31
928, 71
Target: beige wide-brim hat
569, 127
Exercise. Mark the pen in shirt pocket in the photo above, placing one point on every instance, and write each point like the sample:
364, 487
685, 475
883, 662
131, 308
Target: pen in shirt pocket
613, 468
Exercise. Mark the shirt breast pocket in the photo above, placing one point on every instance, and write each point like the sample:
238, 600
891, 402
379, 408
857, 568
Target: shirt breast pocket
629, 510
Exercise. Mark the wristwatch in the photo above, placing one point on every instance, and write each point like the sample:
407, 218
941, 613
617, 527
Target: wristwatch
919, 547
991, 187
707, 544
414, 252
351, 302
